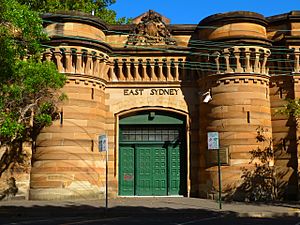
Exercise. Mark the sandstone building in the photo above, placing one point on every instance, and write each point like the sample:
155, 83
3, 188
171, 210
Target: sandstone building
143, 85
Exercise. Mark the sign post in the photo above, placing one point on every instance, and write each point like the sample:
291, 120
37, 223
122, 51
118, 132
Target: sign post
103, 147
213, 144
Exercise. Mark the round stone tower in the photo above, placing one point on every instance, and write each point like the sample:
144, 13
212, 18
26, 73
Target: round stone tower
239, 110
67, 163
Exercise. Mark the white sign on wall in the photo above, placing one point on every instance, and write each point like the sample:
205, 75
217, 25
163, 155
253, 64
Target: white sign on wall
102, 143
213, 140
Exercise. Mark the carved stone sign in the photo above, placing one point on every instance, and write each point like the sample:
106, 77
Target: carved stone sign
151, 31
152, 91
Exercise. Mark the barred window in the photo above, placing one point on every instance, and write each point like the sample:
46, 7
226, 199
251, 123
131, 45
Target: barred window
147, 133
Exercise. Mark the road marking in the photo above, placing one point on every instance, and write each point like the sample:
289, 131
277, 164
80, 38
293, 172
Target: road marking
204, 219
29, 222
94, 220
40, 220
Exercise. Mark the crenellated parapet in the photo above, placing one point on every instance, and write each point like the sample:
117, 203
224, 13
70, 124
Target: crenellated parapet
77, 60
294, 59
90, 62
242, 59
147, 69
85, 61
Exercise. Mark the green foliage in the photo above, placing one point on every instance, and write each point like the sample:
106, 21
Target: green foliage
29, 88
291, 108
42, 76
10, 127
259, 182
100, 8
21, 29
44, 119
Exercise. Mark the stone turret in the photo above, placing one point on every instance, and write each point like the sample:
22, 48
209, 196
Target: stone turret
239, 85
67, 163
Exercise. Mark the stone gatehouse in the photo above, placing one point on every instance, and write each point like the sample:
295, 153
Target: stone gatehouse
146, 88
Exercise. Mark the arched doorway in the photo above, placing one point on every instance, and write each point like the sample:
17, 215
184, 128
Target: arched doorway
152, 154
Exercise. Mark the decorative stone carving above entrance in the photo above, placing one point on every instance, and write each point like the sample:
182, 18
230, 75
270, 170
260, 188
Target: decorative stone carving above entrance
151, 31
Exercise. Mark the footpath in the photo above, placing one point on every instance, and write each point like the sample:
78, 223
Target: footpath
145, 205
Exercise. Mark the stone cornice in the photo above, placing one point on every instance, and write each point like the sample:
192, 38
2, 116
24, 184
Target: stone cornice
236, 16
73, 41
293, 16
175, 29
86, 80
245, 80
70, 16
226, 79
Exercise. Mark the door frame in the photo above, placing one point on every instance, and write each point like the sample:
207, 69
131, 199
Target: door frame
130, 112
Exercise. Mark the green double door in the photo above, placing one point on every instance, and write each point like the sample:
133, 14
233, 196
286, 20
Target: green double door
151, 169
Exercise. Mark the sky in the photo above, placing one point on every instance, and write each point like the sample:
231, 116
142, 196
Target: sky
193, 11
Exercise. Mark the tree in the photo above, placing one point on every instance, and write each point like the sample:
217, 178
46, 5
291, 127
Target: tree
99, 7
29, 88
291, 108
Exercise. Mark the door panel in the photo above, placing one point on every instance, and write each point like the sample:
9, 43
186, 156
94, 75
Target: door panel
126, 175
144, 171
174, 170
159, 171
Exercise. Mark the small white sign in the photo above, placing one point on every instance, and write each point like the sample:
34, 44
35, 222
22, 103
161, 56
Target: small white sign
102, 143
213, 140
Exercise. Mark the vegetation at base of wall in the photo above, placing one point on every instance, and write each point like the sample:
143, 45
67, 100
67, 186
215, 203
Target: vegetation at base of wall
98, 7
258, 184
29, 88
11, 190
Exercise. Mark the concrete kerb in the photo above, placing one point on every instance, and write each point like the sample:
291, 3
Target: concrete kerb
268, 214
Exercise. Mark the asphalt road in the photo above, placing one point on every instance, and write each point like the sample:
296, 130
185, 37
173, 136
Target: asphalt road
148, 211
152, 219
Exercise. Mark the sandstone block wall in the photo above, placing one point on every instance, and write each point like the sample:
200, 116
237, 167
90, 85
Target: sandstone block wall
67, 162
237, 57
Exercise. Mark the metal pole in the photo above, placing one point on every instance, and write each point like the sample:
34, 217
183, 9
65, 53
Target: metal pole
220, 184
106, 178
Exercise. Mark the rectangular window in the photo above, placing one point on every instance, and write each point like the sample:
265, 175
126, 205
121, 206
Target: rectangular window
157, 133
248, 116
280, 92
92, 93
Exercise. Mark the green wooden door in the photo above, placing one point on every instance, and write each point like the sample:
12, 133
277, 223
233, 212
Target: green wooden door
151, 171
126, 174
152, 157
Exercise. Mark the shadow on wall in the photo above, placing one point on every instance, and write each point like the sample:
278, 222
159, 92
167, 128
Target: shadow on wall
11, 190
14, 164
285, 142
80, 175
259, 181
262, 182
288, 177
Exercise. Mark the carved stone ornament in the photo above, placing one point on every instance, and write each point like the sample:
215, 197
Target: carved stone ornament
150, 31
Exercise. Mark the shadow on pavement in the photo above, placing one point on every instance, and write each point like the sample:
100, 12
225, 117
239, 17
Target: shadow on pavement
10, 214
